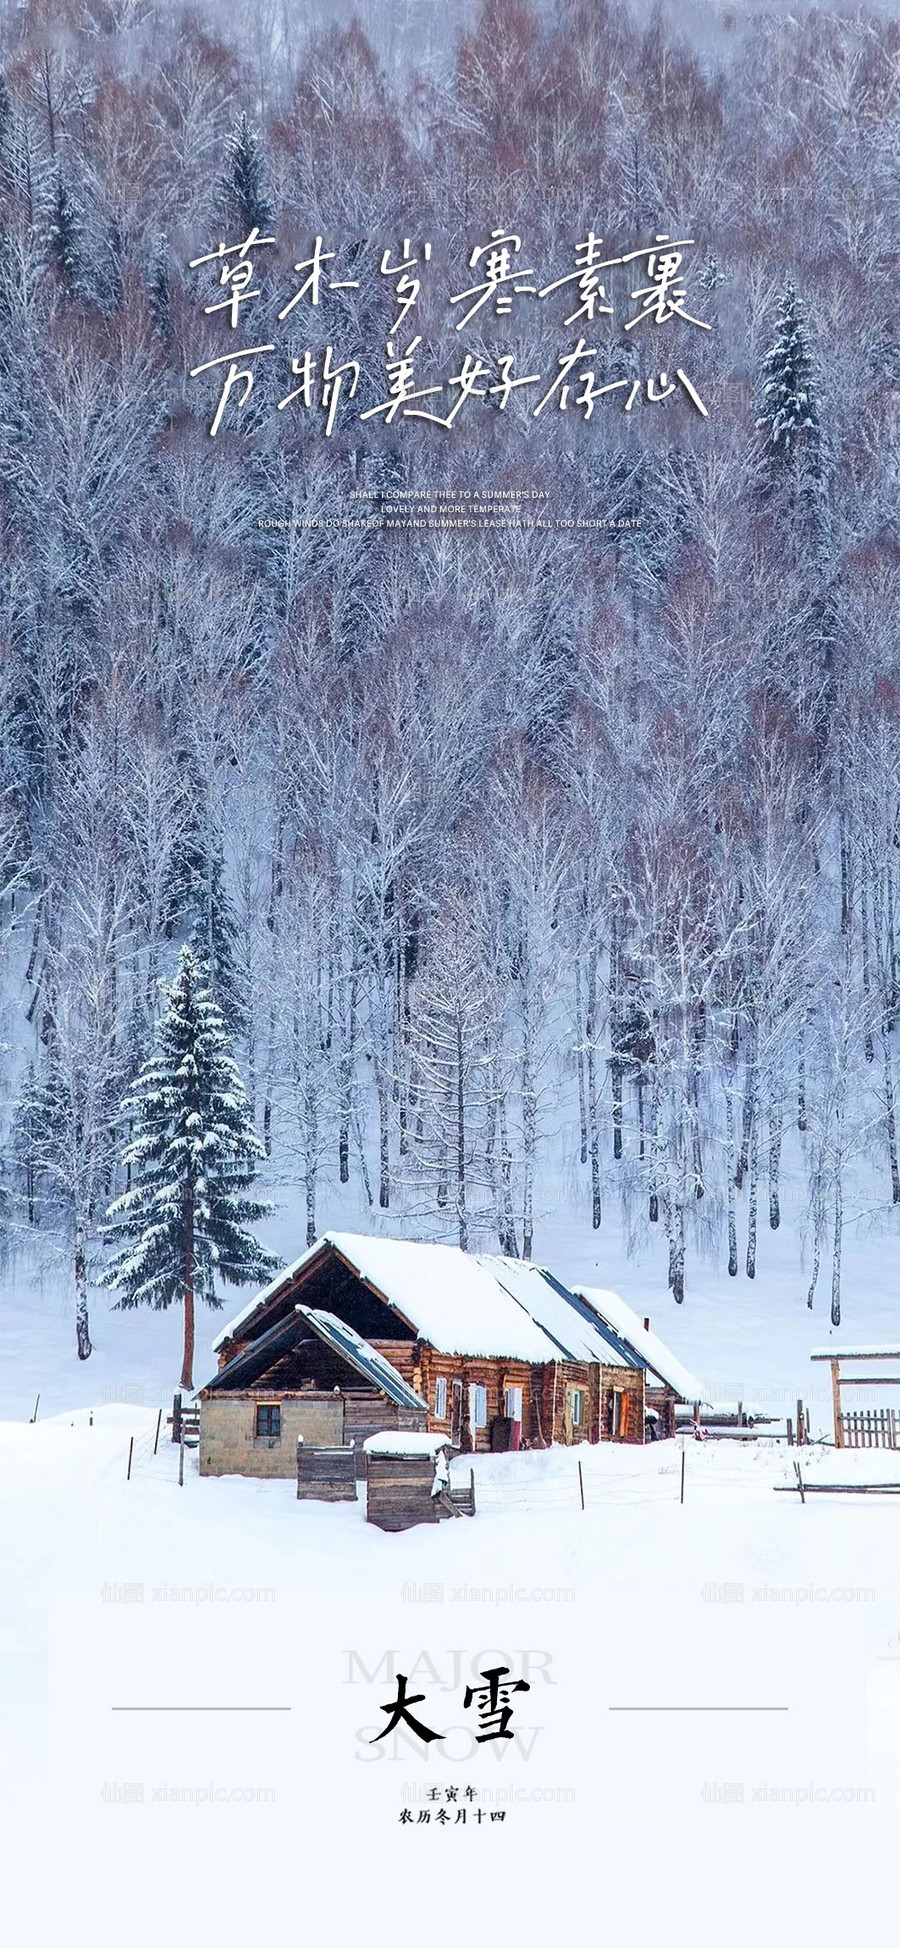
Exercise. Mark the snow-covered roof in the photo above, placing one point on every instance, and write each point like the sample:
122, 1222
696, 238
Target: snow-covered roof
465, 1302
647, 1345
837, 1352
401, 1443
371, 1364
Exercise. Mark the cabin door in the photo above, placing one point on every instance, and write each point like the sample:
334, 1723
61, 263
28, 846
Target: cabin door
456, 1412
513, 1408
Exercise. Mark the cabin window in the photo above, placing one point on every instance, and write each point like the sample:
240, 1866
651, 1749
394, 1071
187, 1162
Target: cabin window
577, 1394
513, 1403
477, 1408
440, 1399
268, 1423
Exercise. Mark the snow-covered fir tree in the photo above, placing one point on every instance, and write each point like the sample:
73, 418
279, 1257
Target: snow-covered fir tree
790, 412
244, 189
158, 292
34, 1127
65, 234
183, 1223
214, 941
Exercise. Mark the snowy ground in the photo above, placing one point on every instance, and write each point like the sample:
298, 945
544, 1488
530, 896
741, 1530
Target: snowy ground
699, 1824
228, 1592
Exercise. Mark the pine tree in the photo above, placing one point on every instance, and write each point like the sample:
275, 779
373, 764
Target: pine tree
192, 1155
65, 238
244, 187
6, 133
213, 941
158, 293
34, 1129
789, 411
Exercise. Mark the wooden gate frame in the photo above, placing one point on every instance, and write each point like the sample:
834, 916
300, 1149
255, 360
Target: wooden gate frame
839, 1379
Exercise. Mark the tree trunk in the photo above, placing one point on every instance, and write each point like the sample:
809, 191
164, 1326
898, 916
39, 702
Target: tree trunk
676, 1252
311, 1119
802, 1119
187, 1364
729, 1173
82, 1327
866, 971
775, 1133
694, 1111
836, 1255
529, 1133
594, 1133
845, 875
817, 1254
617, 1068
653, 1212
891, 943
579, 1057
747, 1122
753, 1166
510, 1248
616, 1074
461, 1210
384, 1151
891, 1115
346, 1109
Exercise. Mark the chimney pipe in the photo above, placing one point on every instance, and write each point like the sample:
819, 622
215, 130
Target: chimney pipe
646, 1325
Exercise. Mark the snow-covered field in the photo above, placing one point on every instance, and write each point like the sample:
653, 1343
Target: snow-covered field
772, 1819
709, 1747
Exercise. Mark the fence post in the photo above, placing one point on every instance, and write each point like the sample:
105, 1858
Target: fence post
181, 1458
581, 1483
682, 1473
158, 1425
176, 1417
130, 1453
836, 1402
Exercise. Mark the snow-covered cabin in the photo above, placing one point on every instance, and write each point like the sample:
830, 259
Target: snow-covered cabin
496, 1353
305, 1376
668, 1383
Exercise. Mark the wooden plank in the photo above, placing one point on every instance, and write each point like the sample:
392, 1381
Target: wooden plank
841, 1488
870, 1379
836, 1403
883, 1355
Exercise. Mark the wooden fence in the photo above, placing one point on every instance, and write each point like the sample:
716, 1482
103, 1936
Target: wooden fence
875, 1429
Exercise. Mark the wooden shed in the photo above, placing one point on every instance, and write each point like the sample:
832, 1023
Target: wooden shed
408, 1481
325, 1474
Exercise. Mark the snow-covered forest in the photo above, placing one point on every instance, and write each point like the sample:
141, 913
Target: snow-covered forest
581, 838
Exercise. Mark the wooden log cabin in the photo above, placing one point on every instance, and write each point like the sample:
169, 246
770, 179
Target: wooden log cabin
308, 1377
491, 1351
